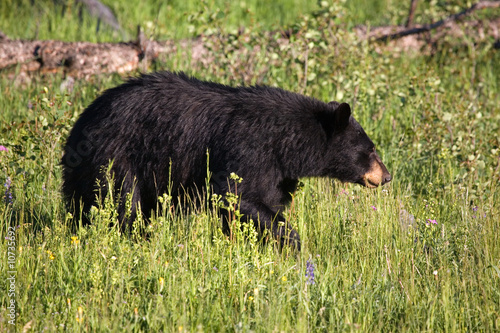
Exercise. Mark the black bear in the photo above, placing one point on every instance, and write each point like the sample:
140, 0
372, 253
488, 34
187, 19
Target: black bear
156, 129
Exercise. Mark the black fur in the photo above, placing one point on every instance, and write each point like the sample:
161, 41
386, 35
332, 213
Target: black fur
165, 122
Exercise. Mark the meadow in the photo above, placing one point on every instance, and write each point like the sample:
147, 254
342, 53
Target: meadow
421, 254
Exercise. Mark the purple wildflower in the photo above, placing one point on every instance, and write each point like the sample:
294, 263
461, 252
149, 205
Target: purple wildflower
310, 272
3, 148
374, 208
8, 193
474, 209
432, 221
216, 269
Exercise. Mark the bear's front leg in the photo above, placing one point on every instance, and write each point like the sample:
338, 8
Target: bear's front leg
265, 219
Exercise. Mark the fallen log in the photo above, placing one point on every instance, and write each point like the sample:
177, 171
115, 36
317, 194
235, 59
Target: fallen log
80, 58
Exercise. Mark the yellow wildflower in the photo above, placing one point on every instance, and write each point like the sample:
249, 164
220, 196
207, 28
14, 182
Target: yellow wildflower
74, 240
79, 314
162, 281
51, 255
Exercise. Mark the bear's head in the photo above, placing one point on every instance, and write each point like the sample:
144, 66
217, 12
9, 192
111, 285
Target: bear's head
350, 155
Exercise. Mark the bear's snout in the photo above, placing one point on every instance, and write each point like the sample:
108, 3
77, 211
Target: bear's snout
377, 175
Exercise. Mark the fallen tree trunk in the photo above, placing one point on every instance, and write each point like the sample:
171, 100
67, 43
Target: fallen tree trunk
82, 59
79, 58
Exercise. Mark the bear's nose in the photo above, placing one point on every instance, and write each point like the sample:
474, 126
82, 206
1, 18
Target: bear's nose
387, 178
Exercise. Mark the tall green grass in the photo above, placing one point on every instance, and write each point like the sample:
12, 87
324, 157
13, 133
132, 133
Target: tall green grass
419, 254
174, 19
48, 19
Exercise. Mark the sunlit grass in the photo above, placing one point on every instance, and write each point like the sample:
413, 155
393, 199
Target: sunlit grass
419, 254
48, 19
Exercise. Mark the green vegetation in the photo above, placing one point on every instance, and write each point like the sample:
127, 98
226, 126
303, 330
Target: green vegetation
47, 19
420, 254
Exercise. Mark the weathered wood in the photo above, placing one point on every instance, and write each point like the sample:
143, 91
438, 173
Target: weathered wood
428, 27
81, 58
411, 14
476, 31
102, 12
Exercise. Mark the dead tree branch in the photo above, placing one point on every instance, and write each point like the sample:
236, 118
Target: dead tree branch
449, 19
411, 14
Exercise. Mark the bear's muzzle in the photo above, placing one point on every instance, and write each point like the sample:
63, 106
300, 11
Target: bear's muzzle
377, 175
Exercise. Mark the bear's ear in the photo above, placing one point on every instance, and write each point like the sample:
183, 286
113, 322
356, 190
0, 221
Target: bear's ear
341, 115
335, 120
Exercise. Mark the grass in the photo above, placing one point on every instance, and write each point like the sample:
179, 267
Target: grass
380, 261
47, 19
